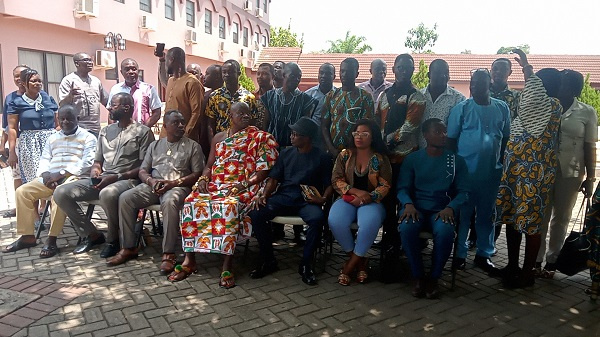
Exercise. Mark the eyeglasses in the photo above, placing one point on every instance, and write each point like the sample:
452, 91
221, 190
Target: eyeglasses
296, 134
483, 70
85, 60
357, 134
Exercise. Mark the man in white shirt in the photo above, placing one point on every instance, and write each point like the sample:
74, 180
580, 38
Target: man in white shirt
68, 154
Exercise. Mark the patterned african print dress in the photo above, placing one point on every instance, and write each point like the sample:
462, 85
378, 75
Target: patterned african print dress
530, 161
592, 231
213, 223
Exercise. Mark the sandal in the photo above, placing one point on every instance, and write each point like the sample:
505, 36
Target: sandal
180, 273
18, 245
547, 274
344, 279
362, 276
227, 281
168, 264
48, 251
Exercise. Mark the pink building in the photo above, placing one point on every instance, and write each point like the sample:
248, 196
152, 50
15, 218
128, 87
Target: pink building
44, 35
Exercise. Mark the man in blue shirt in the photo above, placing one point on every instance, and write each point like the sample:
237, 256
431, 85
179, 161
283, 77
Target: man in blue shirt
478, 130
318, 92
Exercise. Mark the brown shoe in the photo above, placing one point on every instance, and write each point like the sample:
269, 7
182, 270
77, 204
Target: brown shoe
122, 256
169, 260
419, 289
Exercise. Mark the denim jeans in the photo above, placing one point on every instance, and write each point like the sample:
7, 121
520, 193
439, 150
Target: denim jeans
370, 217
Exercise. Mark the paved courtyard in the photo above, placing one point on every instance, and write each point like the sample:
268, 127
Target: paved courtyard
78, 295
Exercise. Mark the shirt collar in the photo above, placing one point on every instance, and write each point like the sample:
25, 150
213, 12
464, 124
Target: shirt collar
136, 85
76, 133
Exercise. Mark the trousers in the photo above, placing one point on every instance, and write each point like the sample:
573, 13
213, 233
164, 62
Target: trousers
369, 218
25, 198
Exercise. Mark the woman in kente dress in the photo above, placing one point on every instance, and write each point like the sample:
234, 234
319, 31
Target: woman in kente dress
529, 170
216, 216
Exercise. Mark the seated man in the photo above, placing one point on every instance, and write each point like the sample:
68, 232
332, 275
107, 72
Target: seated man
432, 185
171, 166
120, 151
301, 164
68, 154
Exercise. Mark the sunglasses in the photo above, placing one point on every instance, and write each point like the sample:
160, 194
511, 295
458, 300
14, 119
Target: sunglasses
357, 134
483, 70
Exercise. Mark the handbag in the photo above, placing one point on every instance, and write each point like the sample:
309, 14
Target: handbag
574, 254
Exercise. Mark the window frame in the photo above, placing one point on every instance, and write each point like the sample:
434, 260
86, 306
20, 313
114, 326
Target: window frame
170, 4
208, 14
44, 72
245, 32
190, 15
236, 32
223, 28
144, 3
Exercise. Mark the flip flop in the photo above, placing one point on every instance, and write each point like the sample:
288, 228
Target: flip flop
18, 245
227, 281
180, 273
48, 251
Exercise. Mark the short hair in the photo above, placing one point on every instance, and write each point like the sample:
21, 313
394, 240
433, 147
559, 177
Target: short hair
328, 64
428, 124
177, 54
27, 74
125, 98
68, 108
377, 143
404, 57
503, 59
217, 67
292, 66
77, 57
268, 65
235, 64
242, 104
24, 66
351, 61
438, 62
551, 78
282, 63
481, 71
169, 113
129, 59
573, 80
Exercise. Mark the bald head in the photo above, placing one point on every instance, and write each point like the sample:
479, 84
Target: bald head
83, 63
68, 118
196, 70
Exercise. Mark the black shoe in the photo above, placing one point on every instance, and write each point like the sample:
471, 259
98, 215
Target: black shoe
308, 275
87, 244
111, 249
264, 269
278, 235
487, 266
458, 264
471, 244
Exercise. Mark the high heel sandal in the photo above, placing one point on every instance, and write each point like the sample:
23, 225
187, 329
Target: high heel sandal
343, 279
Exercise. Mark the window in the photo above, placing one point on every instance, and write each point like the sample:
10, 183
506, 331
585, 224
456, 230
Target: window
170, 9
208, 21
245, 37
121, 1
264, 40
221, 26
51, 66
190, 13
146, 5
257, 37
265, 6
236, 32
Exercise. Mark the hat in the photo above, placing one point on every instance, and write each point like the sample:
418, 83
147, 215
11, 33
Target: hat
305, 126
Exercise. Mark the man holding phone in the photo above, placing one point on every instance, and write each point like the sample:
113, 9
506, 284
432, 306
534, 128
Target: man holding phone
120, 151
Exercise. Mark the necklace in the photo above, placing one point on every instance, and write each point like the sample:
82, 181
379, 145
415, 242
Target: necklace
282, 97
170, 147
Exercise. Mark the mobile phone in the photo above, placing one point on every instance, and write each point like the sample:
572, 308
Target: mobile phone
95, 181
159, 51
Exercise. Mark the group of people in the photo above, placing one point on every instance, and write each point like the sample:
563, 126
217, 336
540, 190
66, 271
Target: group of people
356, 158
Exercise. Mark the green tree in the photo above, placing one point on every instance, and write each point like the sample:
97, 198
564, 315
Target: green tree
466, 51
246, 81
283, 37
420, 37
420, 78
590, 96
352, 44
506, 50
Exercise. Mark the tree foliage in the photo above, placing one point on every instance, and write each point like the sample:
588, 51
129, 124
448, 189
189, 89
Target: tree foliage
284, 37
420, 38
420, 78
590, 95
506, 50
466, 51
352, 44
246, 81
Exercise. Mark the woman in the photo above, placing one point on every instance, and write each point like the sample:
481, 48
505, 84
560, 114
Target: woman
576, 159
592, 228
529, 170
33, 115
239, 161
362, 176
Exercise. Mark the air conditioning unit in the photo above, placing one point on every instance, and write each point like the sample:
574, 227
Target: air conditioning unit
148, 23
86, 9
221, 46
105, 59
242, 52
260, 13
191, 36
251, 54
248, 6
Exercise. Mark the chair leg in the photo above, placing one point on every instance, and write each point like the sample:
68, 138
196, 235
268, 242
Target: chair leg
42, 219
453, 268
90, 211
160, 225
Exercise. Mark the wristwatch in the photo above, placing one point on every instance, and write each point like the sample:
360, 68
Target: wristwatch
592, 179
63, 172
119, 176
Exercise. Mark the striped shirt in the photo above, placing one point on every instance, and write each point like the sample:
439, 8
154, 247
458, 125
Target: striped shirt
73, 153
282, 113
145, 99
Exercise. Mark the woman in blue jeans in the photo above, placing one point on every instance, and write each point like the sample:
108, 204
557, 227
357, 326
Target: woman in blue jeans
362, 176
432, 184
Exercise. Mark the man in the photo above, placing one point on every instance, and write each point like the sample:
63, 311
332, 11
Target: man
196, 70
318, 92
278, 74
478, 130
377, 83
16, 173
343, 107
170, 168
213, 81
264, 78
120, 151
221, 99
284, 106
439, 96
432, 187
301, 164
85, 91
501, 70
184, 93
68, 154
147, 103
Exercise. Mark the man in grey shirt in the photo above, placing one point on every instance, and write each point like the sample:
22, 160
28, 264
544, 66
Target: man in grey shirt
85, 91
120, 151
171, 167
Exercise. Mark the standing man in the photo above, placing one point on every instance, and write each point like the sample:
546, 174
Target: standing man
439, 96
184, 93
196, 70
120, 151
264, 78
343, 107
284, 106
85, 91
278, 73
171, 166
213, 81
147, 104
501, 70
318, 92
377, 83
478, 130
